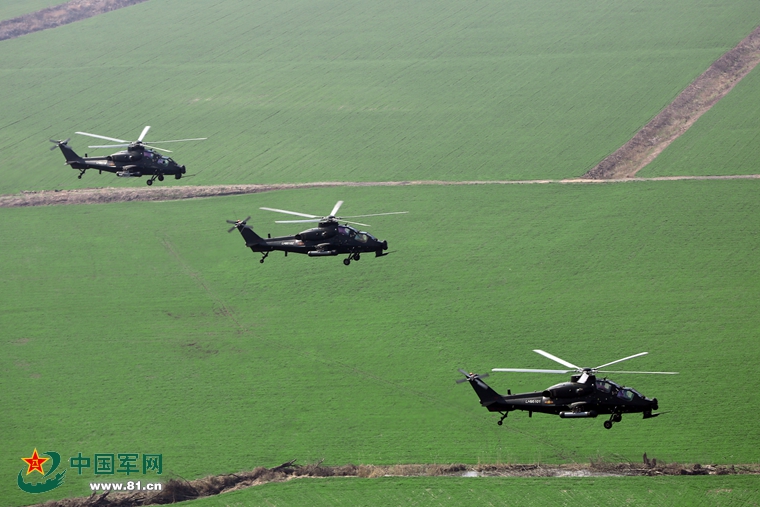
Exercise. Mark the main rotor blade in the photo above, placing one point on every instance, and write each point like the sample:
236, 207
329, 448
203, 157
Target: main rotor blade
530, 370
103, 137
160, 149
375, 214
336, 208
646, 372
624, 359
290, 212
557, 359
110, 146
145, 131
356, 223
179, 140
313, 220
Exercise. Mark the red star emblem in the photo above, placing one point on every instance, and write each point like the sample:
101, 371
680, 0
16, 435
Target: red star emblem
35, 463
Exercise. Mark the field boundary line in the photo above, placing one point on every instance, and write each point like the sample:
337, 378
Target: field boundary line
111, 194
678, 116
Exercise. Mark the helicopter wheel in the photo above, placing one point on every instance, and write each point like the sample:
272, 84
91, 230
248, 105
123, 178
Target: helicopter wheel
499, 422
160, 177
149, 182
261, 261
608, 424
617, 417
357, 256
80, 176
346, 261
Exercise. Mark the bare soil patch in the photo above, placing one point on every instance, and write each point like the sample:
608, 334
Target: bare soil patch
178, 490
58, 15
702, 94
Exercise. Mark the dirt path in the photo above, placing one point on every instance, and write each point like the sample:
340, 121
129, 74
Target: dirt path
701, 95
110, 194
58, 15
178, 490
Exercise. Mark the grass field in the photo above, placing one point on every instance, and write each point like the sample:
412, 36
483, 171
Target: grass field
724, 141
144, 327
439, 491
304, 91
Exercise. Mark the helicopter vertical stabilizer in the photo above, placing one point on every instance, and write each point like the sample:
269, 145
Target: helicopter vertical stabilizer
71, 157
487, 395
251, 238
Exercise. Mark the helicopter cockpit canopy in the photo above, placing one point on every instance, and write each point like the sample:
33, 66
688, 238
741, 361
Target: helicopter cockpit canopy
607, 386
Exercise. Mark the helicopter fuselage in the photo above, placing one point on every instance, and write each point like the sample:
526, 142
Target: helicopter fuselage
571, 399
134, 162
329, 239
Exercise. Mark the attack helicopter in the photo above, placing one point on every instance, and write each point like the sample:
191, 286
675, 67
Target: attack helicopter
584, 396
137, 160
329, 238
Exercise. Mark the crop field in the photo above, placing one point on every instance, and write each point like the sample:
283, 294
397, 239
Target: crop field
724, 141
438, 491
303, 91
144, 327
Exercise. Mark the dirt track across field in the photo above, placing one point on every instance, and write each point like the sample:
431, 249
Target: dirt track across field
701, 95
58, 15
156, 193
178, 490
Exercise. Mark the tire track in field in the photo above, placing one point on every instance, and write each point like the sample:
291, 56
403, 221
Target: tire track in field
110, 194
223, 307
673, 121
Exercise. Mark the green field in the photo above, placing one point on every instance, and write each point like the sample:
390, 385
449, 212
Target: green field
723, 142
440, 491
144, 327
303, 91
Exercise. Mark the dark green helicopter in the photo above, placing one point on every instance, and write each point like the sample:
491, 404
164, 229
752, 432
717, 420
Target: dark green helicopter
137, 160
583, 396
329, 238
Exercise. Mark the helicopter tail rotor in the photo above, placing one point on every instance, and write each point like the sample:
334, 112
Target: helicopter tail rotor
237, 224
58, 144
469, 377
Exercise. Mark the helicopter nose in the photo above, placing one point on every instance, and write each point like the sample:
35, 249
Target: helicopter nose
183, 169
654, 404
385, 245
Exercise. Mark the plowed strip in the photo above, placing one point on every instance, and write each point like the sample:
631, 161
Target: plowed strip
702, 94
